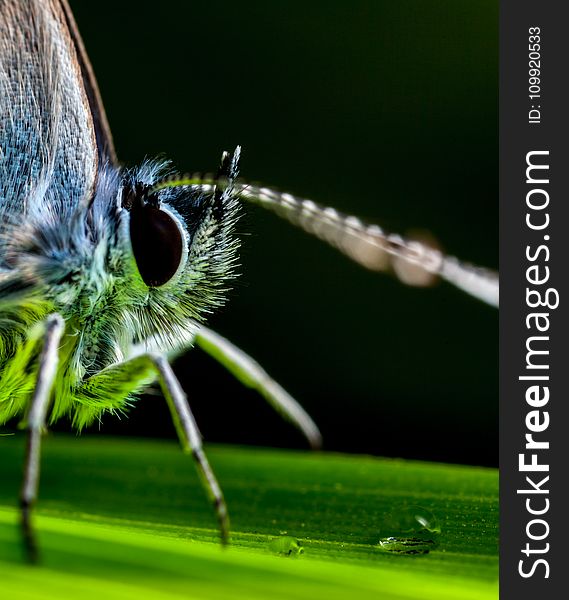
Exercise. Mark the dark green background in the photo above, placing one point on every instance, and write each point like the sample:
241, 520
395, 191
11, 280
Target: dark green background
387, 110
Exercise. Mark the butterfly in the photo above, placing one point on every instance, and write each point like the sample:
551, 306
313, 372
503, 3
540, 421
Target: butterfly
108, 272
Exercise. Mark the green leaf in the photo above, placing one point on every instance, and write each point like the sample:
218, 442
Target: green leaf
127, 518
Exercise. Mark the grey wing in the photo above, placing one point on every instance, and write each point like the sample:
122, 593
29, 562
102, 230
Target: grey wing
103, 134
48, 149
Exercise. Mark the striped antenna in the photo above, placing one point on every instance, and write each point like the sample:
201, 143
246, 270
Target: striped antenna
413, 262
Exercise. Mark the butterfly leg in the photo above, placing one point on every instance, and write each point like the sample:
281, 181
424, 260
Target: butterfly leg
250, 373
35, 425
123, 379
190, 438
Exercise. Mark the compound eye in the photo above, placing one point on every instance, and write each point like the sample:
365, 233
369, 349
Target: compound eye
157, 243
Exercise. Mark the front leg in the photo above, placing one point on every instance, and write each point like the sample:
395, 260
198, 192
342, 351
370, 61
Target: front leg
113, 382
191, 439
250, 373
35, 424
245, 369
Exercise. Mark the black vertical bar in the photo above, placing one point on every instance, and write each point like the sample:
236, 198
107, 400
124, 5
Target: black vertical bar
519, 136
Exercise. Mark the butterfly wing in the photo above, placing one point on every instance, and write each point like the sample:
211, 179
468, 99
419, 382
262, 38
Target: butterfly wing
103, 134
48, 145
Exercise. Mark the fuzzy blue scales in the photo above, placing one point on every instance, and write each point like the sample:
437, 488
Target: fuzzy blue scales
81, 265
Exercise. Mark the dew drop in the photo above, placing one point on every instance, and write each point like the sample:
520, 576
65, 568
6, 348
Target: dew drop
408, 545
409, 529
286, 546
410, 520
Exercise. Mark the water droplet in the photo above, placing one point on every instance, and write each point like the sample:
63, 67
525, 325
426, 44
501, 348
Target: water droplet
409, 529
410, 520
286, 546
406, 545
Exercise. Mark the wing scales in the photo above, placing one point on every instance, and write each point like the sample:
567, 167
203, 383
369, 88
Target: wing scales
48, 153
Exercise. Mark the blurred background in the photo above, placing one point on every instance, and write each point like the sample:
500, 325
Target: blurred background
383, 109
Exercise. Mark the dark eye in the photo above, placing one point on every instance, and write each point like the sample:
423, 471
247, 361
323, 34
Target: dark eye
157, 243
